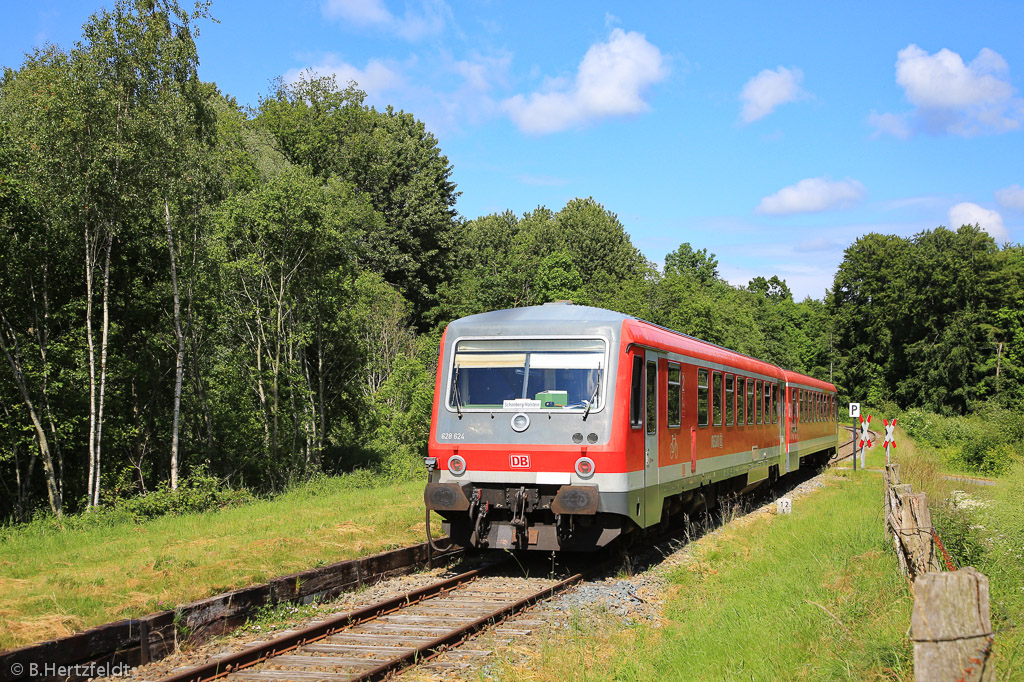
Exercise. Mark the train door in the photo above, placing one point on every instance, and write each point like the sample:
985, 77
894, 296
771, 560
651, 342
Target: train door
652, 493
790, 426
780, 418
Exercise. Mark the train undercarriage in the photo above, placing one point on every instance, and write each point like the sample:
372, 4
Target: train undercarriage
569, 518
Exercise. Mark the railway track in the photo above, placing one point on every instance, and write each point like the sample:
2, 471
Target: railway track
380, 640
847, 449
376, 641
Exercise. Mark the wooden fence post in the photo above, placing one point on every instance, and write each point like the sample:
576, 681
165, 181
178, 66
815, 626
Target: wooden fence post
951, 627
892, 477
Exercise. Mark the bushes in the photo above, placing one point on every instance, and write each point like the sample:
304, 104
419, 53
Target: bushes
197, 493
988, 441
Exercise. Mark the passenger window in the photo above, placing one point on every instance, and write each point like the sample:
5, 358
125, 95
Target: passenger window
730, 399
741, 401
636, 415
758, 398
751, 384
652, 397
777, 397
702, 397
675, 395
716, 397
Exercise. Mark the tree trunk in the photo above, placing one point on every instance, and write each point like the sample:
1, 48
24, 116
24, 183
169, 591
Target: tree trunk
42, 338
103, 364
179, 367
14, 360
90, 259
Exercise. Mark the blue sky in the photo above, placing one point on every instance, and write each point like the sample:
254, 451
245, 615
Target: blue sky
771, 134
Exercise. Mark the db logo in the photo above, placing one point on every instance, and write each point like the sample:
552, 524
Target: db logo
519, 461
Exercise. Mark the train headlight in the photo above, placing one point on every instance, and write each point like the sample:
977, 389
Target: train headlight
456, 465
520, 422
584, 467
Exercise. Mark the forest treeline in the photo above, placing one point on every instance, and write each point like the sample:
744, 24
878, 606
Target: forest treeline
257, 293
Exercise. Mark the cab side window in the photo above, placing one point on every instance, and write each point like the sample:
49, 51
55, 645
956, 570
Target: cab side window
636, 405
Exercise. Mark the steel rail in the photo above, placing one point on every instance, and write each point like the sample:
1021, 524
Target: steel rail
259, 653
439, 645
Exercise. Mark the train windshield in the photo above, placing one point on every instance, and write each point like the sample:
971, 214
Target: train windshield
527, 374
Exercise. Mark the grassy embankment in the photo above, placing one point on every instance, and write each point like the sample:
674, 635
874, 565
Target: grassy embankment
811, 595
818, 595
56, 580
980, 525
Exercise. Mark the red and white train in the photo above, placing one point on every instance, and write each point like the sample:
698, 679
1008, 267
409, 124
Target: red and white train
564, 427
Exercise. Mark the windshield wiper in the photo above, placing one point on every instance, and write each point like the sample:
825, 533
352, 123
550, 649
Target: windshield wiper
456, 393
593, 398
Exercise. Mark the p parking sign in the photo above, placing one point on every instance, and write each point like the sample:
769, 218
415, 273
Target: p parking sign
854, 410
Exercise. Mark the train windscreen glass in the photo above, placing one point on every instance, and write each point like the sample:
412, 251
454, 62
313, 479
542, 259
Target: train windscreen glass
527, 374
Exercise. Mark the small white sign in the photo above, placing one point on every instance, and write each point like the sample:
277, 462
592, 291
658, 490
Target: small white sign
784, 505
854, 410
521, 404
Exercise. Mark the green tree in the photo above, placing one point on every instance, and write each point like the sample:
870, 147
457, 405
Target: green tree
696, 264
287, 251
387, 156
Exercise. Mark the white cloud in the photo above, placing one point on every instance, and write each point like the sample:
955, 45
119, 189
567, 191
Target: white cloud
953, 97
817, 245
610, 81
377, 77
481, 72
811, 195
429, 18
1011, 197
890, 124
972, 214
769, 89
361, 12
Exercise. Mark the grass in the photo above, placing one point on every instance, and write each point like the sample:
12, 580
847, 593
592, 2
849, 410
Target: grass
980, 526
54, 581
811, 595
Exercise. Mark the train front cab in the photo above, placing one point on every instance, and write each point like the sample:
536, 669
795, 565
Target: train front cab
541, 468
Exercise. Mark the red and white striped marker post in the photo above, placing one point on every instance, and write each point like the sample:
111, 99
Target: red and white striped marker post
865, 438
890, 438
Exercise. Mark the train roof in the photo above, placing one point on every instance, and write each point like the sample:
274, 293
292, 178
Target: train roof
549, 316
559, 311
811, 382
